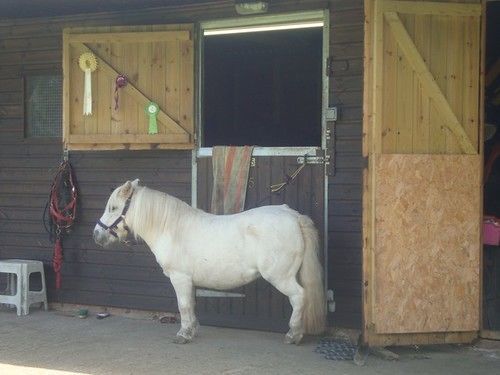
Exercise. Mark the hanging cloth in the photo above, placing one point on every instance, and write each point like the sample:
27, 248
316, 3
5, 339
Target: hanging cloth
230, 170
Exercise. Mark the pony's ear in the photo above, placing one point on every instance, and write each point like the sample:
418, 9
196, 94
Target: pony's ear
135, 183
126, 189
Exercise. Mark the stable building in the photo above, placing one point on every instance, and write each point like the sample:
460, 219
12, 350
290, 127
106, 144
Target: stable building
366, 116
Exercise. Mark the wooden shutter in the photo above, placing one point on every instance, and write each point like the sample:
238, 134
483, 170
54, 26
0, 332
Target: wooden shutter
158, 62
422, 195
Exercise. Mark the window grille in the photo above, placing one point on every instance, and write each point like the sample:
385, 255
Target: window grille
43, 105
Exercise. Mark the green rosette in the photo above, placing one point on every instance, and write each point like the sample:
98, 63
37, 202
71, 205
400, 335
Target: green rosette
152, 110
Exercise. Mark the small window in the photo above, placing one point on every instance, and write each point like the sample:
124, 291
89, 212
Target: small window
43, 105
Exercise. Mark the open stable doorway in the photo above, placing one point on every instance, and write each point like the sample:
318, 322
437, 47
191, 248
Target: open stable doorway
491, 197
261, 84
263, 88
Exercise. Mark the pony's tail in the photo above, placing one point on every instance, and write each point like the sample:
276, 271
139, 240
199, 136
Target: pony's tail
311, 279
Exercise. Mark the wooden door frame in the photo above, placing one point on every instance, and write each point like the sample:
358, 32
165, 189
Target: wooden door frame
200, 152
370, 61
484, 333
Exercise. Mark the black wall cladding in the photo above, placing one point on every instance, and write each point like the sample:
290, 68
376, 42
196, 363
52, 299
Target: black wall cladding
129, 277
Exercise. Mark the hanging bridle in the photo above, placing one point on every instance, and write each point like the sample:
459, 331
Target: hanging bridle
111, 228
61, 210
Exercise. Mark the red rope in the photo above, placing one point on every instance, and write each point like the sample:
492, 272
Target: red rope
57, 262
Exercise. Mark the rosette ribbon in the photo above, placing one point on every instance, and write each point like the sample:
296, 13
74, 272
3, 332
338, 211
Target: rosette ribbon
152, 111
120, 81
87, 63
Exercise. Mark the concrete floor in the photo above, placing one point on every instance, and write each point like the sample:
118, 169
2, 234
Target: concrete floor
54, 343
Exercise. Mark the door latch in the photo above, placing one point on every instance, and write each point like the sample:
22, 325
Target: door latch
313, 159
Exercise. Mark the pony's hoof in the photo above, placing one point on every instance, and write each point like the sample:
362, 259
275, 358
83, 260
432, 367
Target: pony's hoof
293, 339
180, 340
288, 339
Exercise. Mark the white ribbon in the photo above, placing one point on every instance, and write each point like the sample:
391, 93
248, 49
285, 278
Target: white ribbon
87, 93
88, 63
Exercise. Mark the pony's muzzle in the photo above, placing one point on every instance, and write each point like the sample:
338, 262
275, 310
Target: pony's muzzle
100, 236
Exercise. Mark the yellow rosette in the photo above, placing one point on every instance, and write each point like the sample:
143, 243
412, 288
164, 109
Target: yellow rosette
88, 63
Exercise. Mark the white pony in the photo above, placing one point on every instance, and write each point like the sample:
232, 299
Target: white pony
197, 249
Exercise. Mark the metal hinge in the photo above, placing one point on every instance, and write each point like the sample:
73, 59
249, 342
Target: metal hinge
331, 114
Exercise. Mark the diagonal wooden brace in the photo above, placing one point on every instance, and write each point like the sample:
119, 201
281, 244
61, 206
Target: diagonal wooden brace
428, 82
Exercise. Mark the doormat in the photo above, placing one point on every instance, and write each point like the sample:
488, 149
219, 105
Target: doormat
336, 348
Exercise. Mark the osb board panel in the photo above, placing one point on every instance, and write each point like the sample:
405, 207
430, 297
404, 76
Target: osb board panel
420, 338
158, 68
412, 121
427, 242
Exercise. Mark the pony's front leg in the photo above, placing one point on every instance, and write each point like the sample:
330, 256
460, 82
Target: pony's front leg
184, 290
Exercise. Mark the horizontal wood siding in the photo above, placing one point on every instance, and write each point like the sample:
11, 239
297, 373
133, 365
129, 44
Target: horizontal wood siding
122, 276
126, 277
345, 187
129, 277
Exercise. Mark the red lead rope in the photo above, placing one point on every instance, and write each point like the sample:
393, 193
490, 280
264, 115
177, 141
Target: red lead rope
57, 260
62, 212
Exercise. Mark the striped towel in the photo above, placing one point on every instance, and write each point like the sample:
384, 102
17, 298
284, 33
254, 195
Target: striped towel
230, 168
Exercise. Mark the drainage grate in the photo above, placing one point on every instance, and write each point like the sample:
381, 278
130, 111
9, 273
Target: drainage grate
336, 348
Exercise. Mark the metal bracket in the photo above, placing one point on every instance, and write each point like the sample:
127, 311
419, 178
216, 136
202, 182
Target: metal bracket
331, 114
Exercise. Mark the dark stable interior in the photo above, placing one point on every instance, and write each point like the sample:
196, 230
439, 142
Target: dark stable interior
491, 260
263, 88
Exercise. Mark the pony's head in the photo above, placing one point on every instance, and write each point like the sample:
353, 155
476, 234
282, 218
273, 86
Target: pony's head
112, 226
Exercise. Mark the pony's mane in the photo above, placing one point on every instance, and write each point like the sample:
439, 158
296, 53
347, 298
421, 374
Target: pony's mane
154, 211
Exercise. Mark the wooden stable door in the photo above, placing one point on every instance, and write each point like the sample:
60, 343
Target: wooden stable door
259, 305
422, 194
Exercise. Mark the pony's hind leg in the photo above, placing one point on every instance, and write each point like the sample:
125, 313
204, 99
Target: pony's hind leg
184, 290
295, 294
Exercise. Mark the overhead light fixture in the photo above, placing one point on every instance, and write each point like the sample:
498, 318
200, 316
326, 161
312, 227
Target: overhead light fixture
251, 7
256, 29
